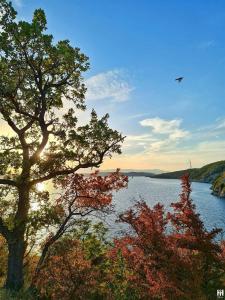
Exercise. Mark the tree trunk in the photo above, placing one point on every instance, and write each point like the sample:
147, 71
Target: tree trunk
16, 243
16, 249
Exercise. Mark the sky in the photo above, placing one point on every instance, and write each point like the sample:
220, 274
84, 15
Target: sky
137, 48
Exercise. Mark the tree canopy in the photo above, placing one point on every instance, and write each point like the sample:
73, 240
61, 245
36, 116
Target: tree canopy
41, 90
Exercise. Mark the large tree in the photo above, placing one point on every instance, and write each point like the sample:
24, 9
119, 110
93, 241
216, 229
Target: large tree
40, 79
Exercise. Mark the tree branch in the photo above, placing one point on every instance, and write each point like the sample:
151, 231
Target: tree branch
40, 148
11, 123
65, 172
8, 182
3, 229
73, 170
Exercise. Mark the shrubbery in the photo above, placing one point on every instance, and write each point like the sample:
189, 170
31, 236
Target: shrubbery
148, 263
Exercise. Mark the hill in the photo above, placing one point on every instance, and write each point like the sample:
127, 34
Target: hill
131, 174
207, 173
135, 171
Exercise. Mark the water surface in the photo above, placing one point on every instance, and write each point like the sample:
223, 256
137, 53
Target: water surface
152, 190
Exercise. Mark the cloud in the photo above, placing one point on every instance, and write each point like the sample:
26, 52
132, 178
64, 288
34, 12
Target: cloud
178, 134
161, 126
108, 85
178, 159
220, 125
138, 140
164, 136
168, 146
211, 131
166, 132
136, 116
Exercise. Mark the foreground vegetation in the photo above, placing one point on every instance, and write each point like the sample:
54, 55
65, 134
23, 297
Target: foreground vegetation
162, 256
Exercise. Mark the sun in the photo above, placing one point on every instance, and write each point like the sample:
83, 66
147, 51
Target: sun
40, 187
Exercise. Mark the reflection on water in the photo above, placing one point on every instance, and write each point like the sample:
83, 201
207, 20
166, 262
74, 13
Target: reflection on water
211, 208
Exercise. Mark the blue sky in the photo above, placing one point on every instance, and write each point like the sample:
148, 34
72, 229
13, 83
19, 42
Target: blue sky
136, 50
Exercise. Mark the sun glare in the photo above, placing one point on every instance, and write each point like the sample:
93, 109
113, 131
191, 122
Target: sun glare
40, 187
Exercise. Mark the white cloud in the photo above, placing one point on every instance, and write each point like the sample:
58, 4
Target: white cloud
157, 146
139, 138
136, 116
221, 125
166, 132
216, 129
178, 134
108, 85
171, 150
161, 126
164, 136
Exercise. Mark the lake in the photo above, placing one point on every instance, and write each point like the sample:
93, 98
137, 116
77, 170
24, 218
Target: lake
211, 208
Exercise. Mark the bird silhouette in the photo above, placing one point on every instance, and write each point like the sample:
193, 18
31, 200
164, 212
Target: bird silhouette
179, 79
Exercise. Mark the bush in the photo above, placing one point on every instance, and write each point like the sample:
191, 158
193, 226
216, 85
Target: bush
22, 295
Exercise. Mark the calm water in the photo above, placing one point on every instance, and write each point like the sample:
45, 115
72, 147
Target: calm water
211, 208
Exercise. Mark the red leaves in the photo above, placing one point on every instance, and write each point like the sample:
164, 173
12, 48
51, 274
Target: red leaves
148, 252
166, 255
91, 192
189, 229
170, 255
67, 273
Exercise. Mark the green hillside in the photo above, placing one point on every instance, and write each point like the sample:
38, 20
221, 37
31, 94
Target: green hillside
218, 186
208, 173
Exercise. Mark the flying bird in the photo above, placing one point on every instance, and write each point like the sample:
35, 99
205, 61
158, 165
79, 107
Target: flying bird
179, 79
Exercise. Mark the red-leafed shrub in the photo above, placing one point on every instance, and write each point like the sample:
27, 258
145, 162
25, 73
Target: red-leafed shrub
162, 255
171, 256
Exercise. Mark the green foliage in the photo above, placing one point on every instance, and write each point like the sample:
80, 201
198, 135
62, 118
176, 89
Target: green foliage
119, 285
41, 90
218, 186
112, 276
37, 78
